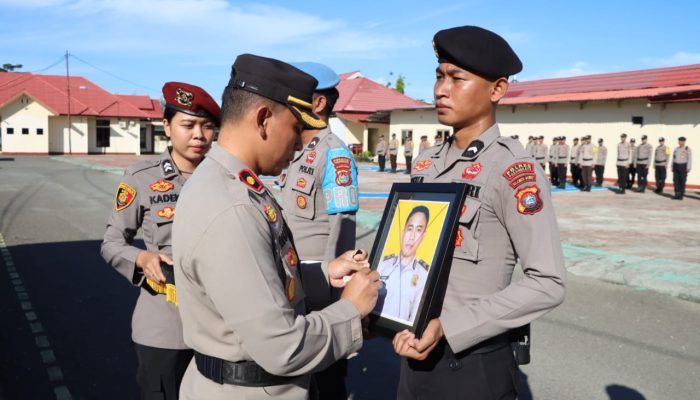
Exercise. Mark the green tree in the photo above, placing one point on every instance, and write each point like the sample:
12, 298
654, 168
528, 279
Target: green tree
399, 85
10, 67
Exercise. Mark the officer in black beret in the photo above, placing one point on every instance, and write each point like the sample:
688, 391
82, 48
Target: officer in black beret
466, 352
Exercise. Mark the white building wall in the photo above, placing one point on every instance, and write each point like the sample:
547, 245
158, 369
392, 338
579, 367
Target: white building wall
63, 141
421, 122
25, 113
124, 137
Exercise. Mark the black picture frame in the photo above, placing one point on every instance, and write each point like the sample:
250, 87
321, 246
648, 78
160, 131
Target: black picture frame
425, 299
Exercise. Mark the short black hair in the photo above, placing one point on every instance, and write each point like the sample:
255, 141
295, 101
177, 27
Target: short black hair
420, 209
235, 103
169, 114
331, 96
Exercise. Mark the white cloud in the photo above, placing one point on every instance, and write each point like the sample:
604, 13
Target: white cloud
679, 58
579, 68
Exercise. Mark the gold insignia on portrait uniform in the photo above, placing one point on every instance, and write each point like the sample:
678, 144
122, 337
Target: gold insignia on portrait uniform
184, 97
414, 280
270, 213
292, 259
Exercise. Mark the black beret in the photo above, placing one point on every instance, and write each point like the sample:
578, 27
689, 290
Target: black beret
644, 137
661, 139
682, 138
600, 140
541, 137
477, 50
633, 140
562, 138
192, 100
278, 81
623, 135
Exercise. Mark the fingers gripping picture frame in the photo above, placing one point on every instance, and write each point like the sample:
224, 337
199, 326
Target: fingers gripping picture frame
413, 252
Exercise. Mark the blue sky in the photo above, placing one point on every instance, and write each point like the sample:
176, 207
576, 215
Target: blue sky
148, 42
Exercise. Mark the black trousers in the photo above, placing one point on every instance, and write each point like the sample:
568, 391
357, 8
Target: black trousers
553, 175
622, 178
409, 162
160, 371
680, 174
642, 173
660, 178
392, 159
446, 376
382, 162
631, 171
587, 176
576, 175
330, 383
561, 175
599, 174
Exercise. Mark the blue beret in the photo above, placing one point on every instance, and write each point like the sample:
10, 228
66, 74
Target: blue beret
477, 50
326, 77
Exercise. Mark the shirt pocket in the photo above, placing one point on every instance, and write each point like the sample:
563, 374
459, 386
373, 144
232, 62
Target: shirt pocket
304, 192
467, 243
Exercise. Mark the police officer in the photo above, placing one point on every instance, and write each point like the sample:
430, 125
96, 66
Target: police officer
424, 144
586, 160
632, 168
381, 153
530, 144
408, 152
562, 157
393, 151
242, 299
552, 158
574, 164
623, 162
404, 275
601, 156
682, 162
642, 160
660, 165
508, 215
146, 198
320, 199
541, 152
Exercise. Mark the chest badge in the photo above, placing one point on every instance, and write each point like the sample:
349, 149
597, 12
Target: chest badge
292, 259
472, 171
161, 186
125, 196
310, 158
421, 165
301, 202
459, 238
301, 182
270, 213
291, 288
529, 201
167, 212
342, 171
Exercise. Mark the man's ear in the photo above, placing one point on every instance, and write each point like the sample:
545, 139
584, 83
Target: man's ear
262, 118
319, 104
499, 89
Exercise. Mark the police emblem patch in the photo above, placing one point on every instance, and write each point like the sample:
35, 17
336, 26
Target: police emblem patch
248, 177
167, 212
459, 238
125, 196
161, 186
301, 202
472, 171
529, 201
342, 171
301, 182
184, 97
310, 157
292, 259
270, 213
421, 165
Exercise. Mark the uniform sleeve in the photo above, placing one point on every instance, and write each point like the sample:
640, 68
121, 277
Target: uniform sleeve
690, 159
123, 223
235, 263
528, 216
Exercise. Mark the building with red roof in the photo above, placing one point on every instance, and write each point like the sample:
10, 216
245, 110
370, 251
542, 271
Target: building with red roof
35, 111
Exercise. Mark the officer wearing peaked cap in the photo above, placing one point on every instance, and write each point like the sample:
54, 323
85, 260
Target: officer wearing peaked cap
466, 353
623, 161
320, 199
600, 159
243, 290
642, 160
660, 165
146, 199
682, 163
552, 157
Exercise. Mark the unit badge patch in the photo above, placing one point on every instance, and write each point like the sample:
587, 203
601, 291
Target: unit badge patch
292, 259
161, 186
472, 171
421, 165
519, 173
529, 201
270, 213
342, 171
248, 177
301, 202
310, 157
167, 212
522, 179
301, 182
125, 196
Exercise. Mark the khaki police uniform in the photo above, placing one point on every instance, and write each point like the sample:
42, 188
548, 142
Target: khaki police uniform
574, 165
552, 158
562, 156
632, 168
623, 162
660, 165
393, 152
240, 278
403, 287
642, 160
586, 160
682, 163
601, 157
381, 154
541, 154
424, 145
408, 154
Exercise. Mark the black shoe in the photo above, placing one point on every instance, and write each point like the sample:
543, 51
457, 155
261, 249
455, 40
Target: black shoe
588, 189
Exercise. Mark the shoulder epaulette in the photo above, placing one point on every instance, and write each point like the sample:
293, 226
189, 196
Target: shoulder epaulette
423, 264
390, 256
514, 147
141, 165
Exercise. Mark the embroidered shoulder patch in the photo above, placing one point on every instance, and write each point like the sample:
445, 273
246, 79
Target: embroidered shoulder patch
301, 182
519, 173
161, 186
167, 212
342, 171
528, 200
472, 171
421, 165
248, 177
125, 196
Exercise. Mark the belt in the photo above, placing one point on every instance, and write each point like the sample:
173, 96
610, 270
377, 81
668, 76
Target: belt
642, 159
540, 158
622, 159
241, 373
587, 159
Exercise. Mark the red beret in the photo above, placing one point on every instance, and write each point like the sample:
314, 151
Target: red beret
192, 100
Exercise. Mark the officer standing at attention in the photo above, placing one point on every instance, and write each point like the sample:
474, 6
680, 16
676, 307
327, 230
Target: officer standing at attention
381, 153
146, 198
393, 152
552, 158
642, 160
586, 157
408, 152
660, 165
528, 146
466, 353
623, 162
242, 299
632, 170
320, 199
424, 144
562, 156
682, 162
601, 156
541, 152
574, 164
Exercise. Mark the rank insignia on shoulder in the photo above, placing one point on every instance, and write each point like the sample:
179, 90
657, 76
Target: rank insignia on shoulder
125, 196
421, 165
472, 171
292, 259
270, 213
459, 238
167, 167
389, 257
529, 201
342, 171
167, 212
291, 288
473, 149
248, 177
161, 186
313, 143
310, 158
301, 202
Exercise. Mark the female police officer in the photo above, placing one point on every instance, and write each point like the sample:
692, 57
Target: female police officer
146, 199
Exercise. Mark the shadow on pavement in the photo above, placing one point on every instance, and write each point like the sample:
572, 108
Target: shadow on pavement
620, 392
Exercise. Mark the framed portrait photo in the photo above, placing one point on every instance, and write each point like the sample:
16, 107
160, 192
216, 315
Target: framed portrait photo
413, 252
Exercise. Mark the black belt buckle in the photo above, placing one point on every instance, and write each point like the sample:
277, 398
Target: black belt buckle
241, 373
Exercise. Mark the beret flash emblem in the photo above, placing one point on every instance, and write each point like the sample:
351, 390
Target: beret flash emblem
184, 97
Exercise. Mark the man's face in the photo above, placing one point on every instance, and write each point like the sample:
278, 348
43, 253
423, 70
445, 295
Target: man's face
681, 143
283, 139
622, 139
461, 97
413, 234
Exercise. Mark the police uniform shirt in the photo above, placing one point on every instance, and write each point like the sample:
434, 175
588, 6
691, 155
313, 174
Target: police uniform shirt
643, 154
661, 156
403, 287
393, 147
623, 154
683, 155
601, 155
238, 277
381, 148
508, 214
574, 154
586, 155
424, 145
408, 148
563, 150
553, 149
541, 153
633, 154
146, 198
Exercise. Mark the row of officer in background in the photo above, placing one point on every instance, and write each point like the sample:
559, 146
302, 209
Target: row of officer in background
393, 146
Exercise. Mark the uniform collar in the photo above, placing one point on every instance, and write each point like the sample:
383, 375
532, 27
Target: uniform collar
313, 143
230, 163
167, 165
478, 145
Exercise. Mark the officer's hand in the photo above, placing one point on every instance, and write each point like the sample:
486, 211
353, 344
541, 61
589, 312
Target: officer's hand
343, 267
406, 345
362, 290
149, 262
